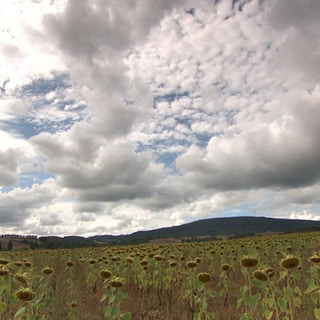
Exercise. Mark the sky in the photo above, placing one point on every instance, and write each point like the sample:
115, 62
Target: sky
126, 115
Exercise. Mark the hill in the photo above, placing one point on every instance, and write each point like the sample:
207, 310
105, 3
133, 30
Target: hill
230, 227
198, 230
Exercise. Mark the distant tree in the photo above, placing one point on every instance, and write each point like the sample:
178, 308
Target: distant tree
33, 244
10, 245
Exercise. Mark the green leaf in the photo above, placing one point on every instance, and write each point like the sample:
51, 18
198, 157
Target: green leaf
311, 286
282, 303
197, 300
298, 291
212, 294
197, 316
278, 291
20, 312
123, 296
297, 302
210, 316
245, 271
288, 292
115, 312
126, 316
267, 314
104, 297
282, 275
239, 303
243, 291
203, 306
317, 313
107, 312
112, 299
244, 316
314, 297
269, 301
260, 284
252, 301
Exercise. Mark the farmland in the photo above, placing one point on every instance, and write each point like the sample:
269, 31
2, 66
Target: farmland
253, 278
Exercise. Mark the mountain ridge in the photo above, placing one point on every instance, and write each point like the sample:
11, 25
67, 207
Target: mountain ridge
204, 229
210, 227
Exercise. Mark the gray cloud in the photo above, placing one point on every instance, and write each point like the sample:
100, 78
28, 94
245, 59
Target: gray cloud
96, 37
305, 196
50, 219
88, 207
298, 28
253, 146
8, 167
110, 173
87, 28
283, 153
17, 205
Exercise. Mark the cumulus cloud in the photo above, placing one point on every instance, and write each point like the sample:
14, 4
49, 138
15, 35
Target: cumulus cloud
252, 142
297, 26
8, 167
283, 153
85, 29
102, 172
17, 205
305, 215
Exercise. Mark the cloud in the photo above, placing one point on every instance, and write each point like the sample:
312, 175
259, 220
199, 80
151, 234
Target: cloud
95, 36
23, 44
304, 215
8, 167
283, 153
17, 205
52, 219
116, 26
100, 172
252, 142
297, 26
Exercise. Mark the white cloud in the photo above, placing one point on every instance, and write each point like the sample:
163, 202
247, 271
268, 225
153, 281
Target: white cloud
8, 167
304, 215
17, 205
99, 172
23, 45
284, 152
297, 25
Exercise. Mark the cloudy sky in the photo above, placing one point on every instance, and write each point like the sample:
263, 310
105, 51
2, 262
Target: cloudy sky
124, 115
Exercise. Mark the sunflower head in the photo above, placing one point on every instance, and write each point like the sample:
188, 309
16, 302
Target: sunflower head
192, 263
204, 277
260, 275
25, 294
47, 270
249, 262
4, 271
225, 267
290, 262
116, 283
105, 274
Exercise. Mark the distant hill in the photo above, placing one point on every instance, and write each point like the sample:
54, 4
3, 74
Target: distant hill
231, 227
197, 230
